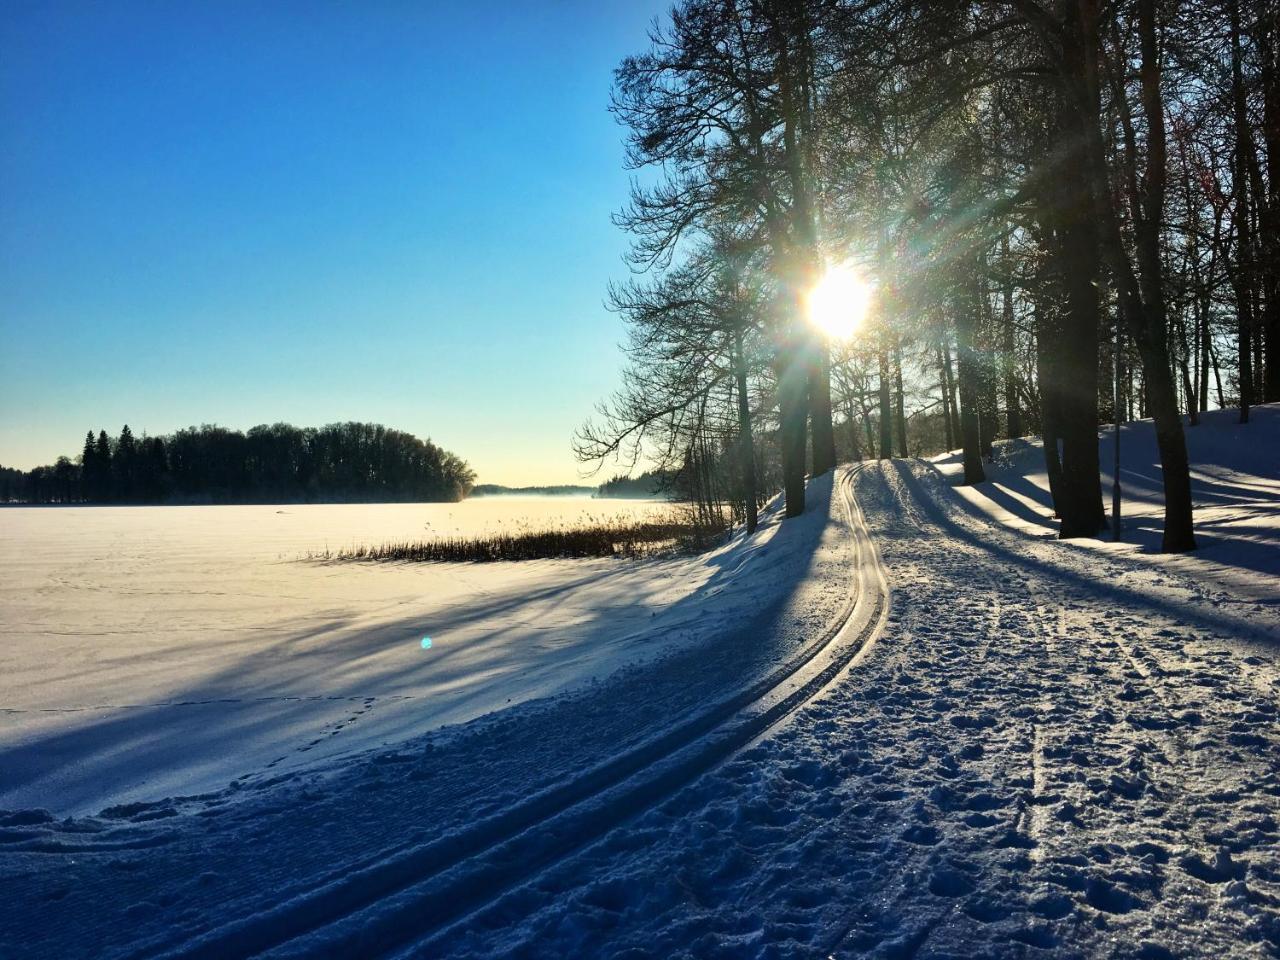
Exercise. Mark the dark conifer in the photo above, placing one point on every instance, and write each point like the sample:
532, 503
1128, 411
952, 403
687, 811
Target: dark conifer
89, 469
125, 464
104, 491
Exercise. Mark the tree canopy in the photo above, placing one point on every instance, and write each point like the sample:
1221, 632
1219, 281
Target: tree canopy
271, 463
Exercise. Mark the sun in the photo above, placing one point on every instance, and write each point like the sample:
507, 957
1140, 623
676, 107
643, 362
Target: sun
838, 304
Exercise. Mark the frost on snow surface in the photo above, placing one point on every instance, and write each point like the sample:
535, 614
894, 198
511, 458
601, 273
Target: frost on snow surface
1049, 749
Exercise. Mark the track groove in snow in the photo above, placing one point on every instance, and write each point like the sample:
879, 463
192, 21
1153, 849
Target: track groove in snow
528, 835
996, 779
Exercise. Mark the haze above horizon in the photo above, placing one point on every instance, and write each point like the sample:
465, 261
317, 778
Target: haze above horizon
244, 215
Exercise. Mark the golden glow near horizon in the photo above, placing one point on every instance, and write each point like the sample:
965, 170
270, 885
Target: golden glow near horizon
838, 304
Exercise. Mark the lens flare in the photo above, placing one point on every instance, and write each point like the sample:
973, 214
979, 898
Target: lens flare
838, 304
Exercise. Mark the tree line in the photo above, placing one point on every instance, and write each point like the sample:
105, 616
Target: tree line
1068, 209
650, 483
276, 463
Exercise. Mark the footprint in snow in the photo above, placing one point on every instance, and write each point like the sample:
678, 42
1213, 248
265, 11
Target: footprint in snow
947, 882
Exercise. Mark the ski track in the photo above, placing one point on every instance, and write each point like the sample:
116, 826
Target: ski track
1034, 759
1022, 765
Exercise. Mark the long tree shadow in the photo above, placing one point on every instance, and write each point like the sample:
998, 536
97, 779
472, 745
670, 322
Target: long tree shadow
931, 506
1243, 540
998, 494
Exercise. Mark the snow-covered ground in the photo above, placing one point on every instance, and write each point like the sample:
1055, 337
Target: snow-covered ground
153, 651
179, 862
1235, 483
1048, 749
1054, 749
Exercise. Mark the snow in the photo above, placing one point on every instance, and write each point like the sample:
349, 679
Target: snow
151, 651
1050, 748
173, 864
1235, 485
1035, 756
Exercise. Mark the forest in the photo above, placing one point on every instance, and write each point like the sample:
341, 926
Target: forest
1067, 213
621, 487
650, 483
276, 463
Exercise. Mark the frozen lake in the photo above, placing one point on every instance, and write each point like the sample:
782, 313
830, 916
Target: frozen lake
283, 532
153, 651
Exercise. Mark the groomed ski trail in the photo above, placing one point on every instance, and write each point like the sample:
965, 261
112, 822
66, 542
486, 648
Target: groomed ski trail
1034, 760
421, 891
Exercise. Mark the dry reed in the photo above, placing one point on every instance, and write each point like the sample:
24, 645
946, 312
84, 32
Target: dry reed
594, 537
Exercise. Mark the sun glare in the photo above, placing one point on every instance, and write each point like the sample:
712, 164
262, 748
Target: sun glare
838, 304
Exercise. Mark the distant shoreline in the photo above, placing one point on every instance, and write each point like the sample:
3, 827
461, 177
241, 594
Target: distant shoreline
585, 492
563, 490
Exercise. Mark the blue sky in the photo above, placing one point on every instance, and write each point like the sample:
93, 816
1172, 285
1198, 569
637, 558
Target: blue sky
239, 214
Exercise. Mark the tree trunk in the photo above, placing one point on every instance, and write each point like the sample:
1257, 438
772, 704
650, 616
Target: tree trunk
900, 417
1080, 504
949, 378
795, 66
985, 358
746, 447
851, 421
1242, 275
793, 418
1049, 402
946, 402
1203, 359
886, 409
968, 315
1091, 222
1170, 437
1269, 74
1184, 364
1141, 297
1008, 348
823, 432
970, 436
1073, 250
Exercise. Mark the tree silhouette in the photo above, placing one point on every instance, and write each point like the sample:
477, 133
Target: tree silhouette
105, 490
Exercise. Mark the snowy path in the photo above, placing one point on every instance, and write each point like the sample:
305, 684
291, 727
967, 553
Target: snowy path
1029, 760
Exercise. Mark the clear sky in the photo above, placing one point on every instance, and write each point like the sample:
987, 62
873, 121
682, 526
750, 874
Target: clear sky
238, 214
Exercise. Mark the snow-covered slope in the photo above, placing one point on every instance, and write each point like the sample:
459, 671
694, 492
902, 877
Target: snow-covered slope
1235, 479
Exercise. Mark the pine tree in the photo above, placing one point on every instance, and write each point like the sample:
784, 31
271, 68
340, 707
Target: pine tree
102, 465
126, 465
154, 468
89, 481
